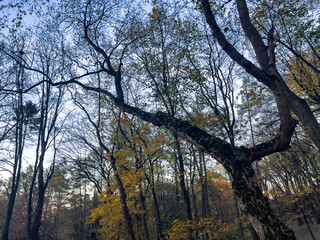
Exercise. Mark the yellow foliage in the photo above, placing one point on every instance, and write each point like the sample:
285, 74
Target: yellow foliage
137, 144
109, 212
301, 78
205, 226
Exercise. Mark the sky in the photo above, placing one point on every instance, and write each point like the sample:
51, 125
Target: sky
12, 12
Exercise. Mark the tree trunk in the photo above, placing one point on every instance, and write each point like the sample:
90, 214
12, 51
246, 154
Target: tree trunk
205, 206
143, 207
19, 138
184, 190
5, 234
194, 201
194, 204
157, 213
254, 234
33, 233
12, 198
123, 199
302, 110
240, 228
145, 230
254, 204
159, 234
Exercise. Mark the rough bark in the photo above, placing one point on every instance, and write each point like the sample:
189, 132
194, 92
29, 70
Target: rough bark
254, 204
302, 110
240, 228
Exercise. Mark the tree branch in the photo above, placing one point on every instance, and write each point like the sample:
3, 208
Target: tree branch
299, 56
280, 143
253, 35
230, 49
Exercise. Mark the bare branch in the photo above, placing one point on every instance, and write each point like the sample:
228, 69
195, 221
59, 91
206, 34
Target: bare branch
253, 35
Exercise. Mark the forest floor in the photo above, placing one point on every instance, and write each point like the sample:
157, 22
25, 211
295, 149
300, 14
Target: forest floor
302, 232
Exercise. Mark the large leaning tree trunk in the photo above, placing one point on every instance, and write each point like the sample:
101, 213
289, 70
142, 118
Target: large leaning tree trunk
236, 160
254, 204
238, 163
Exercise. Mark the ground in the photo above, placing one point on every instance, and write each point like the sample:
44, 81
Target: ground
302, 232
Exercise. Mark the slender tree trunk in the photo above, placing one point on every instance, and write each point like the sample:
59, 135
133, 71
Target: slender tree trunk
184, 190
19, 138
5, 234
95, 225
12, 198
143, 207
123, 200
176, 183
157, 213
34, 232
254, 234
194, 202
83, 213
204, 187
159, 233
145, 230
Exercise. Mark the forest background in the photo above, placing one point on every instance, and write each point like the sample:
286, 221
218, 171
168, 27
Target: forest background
159, 119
